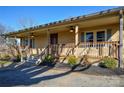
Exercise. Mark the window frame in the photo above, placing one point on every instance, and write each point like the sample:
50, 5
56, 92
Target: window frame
86, 36
105, 38
24, 42
94, 34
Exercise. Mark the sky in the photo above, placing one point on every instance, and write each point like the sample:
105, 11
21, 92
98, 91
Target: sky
13, 16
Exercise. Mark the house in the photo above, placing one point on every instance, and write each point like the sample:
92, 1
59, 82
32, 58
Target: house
94, 35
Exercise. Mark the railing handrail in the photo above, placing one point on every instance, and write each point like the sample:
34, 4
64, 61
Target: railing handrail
99, 42
102, 42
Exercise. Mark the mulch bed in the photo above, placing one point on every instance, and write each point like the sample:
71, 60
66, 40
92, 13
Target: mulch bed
92, 70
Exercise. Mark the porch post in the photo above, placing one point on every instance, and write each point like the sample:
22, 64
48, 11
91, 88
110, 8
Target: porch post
76, 40
120, 51
28, 52
15, 40
28, 41
48, 36
48, 41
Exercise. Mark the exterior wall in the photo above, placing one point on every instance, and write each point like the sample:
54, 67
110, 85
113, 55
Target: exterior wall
95, 51
114, 27
123, 46
66, 37
40, 43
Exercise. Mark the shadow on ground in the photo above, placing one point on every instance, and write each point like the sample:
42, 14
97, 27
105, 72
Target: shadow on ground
26, 75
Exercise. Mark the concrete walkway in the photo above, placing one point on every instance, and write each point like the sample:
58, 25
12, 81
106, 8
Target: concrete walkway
48, 77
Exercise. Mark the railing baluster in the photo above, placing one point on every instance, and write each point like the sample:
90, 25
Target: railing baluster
98, 49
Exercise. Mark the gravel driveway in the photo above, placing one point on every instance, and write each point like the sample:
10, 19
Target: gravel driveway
42, 76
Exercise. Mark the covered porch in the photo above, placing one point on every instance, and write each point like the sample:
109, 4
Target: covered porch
96, 36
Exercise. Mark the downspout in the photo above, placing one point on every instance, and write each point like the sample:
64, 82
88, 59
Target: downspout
120, 51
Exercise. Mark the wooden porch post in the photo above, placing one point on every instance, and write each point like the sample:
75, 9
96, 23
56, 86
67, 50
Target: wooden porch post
48, 38
76, 40
28, 41
120, 54
15, 40
28, 52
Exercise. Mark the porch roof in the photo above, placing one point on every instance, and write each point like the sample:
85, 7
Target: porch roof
66, 21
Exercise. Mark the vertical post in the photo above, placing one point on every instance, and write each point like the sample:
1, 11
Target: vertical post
15, 41
48, 41
28, 51
120, 54
28, 41
76, 40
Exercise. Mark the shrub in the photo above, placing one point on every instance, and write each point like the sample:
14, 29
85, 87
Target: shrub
72, 60
48, 61
108, 63
5, 57
17, 58
4, 63
48, 58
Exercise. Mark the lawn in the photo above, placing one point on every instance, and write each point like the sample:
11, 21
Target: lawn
5, 63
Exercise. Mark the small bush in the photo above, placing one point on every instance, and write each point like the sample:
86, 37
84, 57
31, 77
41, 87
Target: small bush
48, 58
108, 63
48, 61
72, 60
5, 57
17, 58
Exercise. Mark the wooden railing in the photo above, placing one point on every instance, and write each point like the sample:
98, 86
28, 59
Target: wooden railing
101, 49
58, 49
91, 49
96, 49
98, 44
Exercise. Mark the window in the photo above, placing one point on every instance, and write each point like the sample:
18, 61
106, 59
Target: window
101, 36
89, 37
109, 34
32, 43
82, 37
25, 42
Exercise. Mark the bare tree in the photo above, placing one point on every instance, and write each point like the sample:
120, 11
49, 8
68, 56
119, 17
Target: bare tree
26, 22
2, 30
7, 45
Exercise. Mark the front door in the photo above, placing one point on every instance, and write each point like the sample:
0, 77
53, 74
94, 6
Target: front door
54, 38
54, 43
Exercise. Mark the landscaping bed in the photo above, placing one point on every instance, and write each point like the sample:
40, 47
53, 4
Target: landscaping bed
74, 64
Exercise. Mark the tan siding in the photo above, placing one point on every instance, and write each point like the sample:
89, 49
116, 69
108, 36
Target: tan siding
65, 37
123, 46
41, 41
114, 27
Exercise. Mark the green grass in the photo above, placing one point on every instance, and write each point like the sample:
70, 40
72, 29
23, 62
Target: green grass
5, 62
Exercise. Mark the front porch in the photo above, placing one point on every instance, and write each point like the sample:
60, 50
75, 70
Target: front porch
92, 51
93, 43
94, 37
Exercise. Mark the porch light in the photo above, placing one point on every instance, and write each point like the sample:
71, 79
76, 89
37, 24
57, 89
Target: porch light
71, 29
32, 35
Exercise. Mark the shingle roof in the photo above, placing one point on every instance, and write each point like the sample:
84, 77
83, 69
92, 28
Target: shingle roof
68, 20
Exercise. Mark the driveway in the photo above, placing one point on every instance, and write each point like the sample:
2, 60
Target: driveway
41, 76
